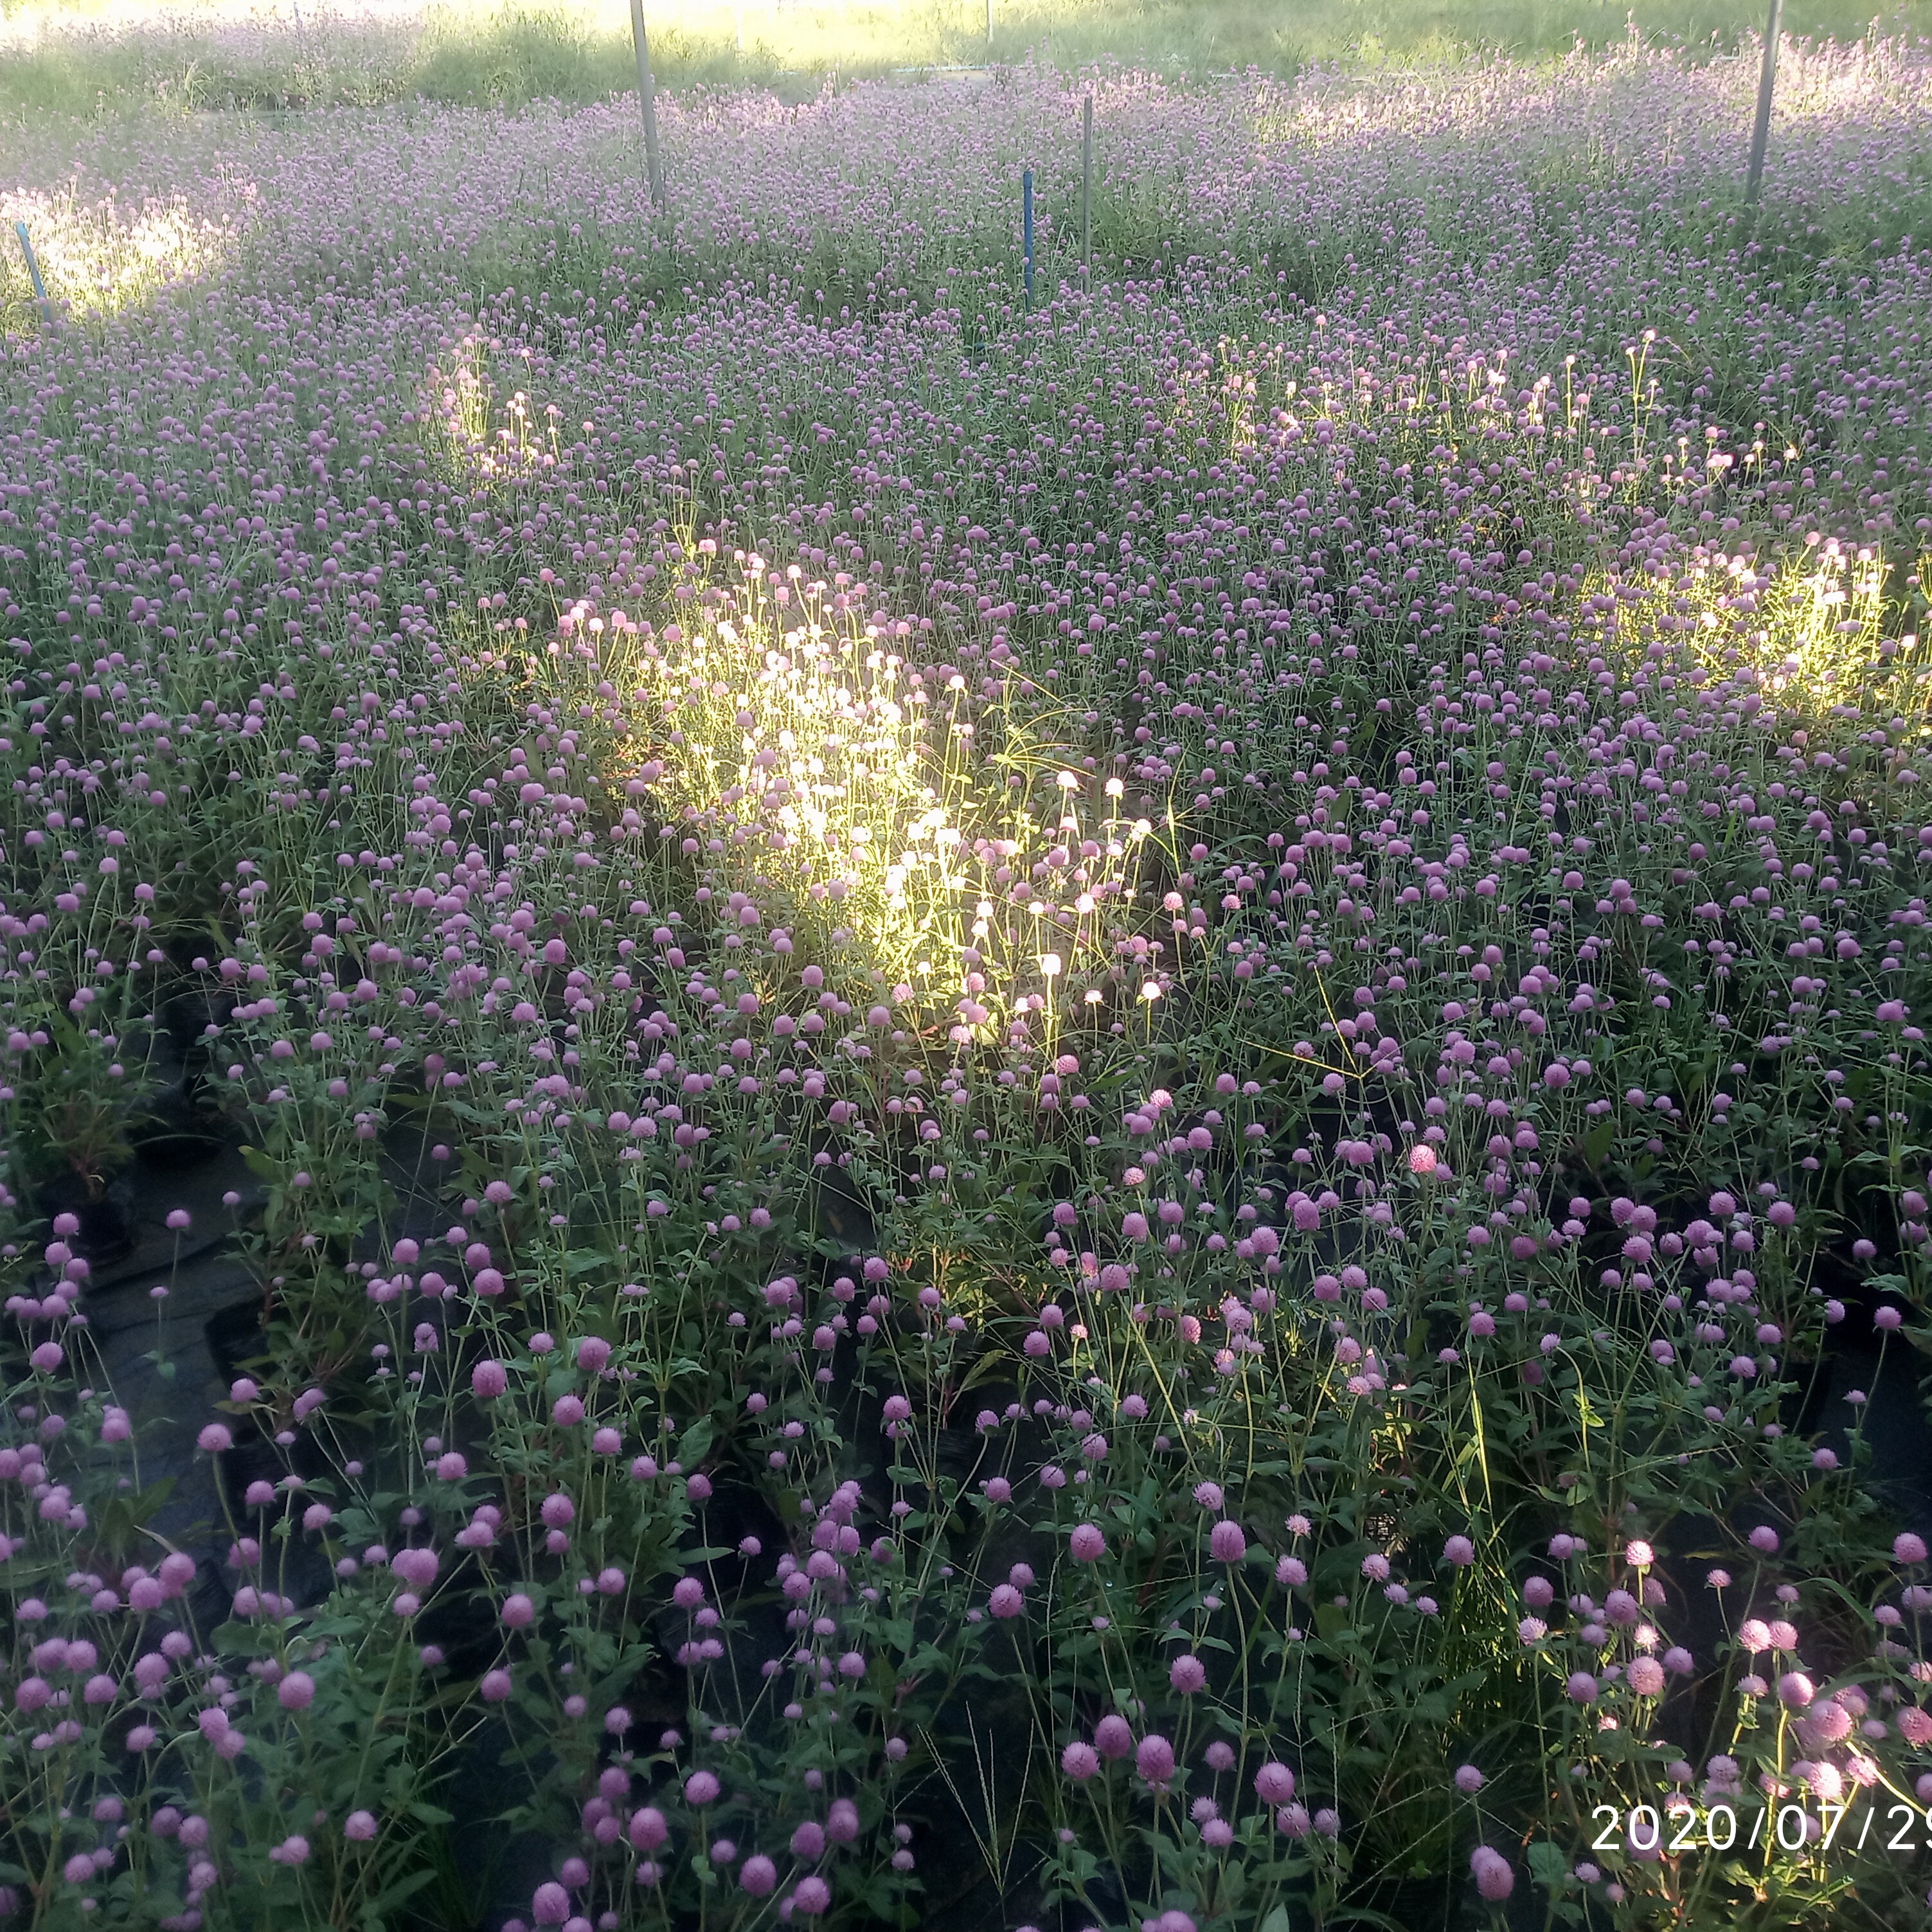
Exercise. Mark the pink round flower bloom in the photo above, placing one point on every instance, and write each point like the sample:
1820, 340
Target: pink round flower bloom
1644, 1676
1226, 1542
1187, 1675
1154, 1758
701, 1788
551, 1904
1087, 1542
1459, 1551
1491, 1871
1274, 1783
1113, 1736
1079, 1761
758, 1875
1908, 1548
360, 1826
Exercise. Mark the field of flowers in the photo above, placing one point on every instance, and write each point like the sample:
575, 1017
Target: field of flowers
829, 1101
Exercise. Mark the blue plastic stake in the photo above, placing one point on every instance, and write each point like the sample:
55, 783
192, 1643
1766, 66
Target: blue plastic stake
1026, 229
47, 307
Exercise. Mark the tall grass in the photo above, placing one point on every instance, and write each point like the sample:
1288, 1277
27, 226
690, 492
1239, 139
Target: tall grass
56, 57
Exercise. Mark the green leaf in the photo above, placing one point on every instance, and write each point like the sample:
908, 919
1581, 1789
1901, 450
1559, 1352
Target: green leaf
243, 1639
387, 1901
260, 1164
1547, 1864
1277, 1921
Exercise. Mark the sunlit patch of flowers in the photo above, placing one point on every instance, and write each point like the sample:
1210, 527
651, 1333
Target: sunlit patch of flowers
97, 258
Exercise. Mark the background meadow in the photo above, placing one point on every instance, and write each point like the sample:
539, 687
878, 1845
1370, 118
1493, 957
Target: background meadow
84, 57
829, 1099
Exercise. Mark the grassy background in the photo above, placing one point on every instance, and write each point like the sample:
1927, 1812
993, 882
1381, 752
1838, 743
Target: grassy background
62, 58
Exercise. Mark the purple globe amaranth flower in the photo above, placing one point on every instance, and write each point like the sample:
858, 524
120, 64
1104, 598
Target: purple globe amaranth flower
1154, 1758
1087, 1542
1274, 1783
1227, 1543
1491, 1871
1644, 1675
1114, 1736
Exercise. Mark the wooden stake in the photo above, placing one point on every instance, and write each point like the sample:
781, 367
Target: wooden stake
1087, 191
1761, 128
647, 102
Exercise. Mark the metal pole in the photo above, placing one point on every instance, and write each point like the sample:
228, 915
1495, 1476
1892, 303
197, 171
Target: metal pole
1026, 229
989, 32
1761, 129
647, 101
1087, 192
41, 287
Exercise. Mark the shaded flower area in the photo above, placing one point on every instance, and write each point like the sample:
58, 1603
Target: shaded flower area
1103, 1116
